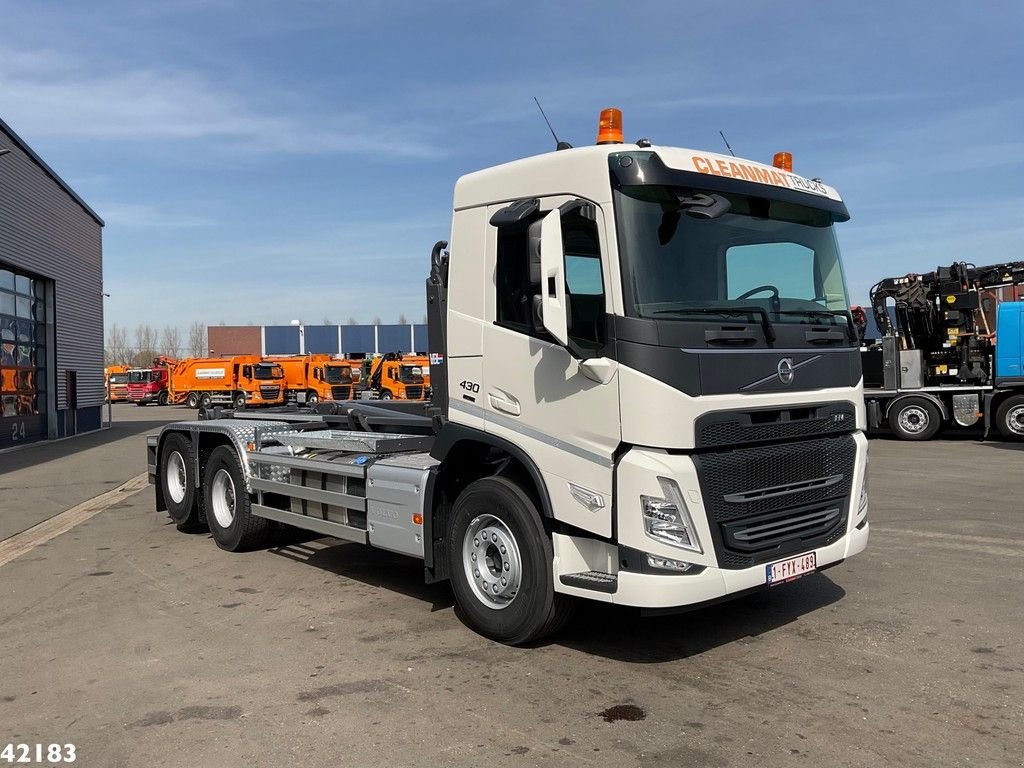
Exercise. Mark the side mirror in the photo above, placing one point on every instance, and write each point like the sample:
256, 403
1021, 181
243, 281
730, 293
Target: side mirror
552, 278
599, 369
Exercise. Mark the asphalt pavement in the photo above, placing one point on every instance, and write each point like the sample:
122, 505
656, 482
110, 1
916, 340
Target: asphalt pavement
143, 646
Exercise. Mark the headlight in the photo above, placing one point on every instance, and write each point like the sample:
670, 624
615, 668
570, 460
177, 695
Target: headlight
668, 520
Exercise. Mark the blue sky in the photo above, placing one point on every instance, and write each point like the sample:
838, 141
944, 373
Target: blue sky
266, 161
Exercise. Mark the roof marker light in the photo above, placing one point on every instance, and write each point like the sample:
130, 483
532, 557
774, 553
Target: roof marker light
783, 160
609, 127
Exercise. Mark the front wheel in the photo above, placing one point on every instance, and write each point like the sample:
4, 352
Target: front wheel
312, 398
240, 400
1010, 418
161, 399
915, 418
501, 564
232, 523
385, 394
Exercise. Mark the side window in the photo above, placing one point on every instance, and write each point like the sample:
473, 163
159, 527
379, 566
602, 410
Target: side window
584, 284
512, 272
247, 371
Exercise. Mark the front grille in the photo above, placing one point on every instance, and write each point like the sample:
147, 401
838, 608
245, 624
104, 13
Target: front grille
341, 391
414, 392
269, 392
767, 501
767, 425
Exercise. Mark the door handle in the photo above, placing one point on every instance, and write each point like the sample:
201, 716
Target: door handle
504, 402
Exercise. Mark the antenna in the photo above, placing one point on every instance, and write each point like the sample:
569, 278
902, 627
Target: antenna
727, 144
558, 144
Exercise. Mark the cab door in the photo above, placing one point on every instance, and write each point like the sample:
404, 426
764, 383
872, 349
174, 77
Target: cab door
534, 392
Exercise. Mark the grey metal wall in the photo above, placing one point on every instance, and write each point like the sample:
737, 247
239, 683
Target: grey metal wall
44, 229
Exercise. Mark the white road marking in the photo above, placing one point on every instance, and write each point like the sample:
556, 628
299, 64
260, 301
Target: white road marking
27, 540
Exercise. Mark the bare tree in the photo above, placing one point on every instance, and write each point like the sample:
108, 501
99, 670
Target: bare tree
353, 321
326, 321
145, 345
424, 319
118, 349
197, 339
402, 319
170, 341
376, 321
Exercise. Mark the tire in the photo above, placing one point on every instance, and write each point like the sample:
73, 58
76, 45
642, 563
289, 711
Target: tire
518, 560
231, 522
312, 398
175, 474
162, 398
192, 401
385, 394
1010, 418
240, 400
205, 401
915, 418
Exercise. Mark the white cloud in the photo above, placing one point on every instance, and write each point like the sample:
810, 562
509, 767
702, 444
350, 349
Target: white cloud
51, 94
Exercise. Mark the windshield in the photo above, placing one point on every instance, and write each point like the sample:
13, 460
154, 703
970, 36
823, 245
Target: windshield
338, 374
410, 374
138, 377
268, 372
771, 255
119, 378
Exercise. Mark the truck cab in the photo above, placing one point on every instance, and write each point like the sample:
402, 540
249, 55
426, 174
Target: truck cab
148, 385
660, 339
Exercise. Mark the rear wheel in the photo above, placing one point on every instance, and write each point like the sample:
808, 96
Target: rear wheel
232, 523
192, 401
915, 418
177, 481
205, 401
500, 561
1010, 418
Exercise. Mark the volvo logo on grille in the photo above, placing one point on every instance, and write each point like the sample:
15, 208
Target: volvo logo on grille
785, 370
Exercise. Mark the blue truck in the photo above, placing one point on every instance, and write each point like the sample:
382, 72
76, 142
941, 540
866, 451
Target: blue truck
949, 352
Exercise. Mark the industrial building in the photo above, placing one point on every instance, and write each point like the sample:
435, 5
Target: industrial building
342, 340
51, 302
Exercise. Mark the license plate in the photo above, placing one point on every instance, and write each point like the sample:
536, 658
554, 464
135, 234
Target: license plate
794, 567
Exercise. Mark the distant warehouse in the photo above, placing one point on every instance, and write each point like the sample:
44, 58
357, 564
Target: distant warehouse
316, 339
51, 302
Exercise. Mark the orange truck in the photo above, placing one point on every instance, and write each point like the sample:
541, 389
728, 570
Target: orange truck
312, 378
117, 383
242, 380
397, 377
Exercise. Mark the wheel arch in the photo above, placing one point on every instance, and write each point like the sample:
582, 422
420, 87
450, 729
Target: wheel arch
936, 401
468, 454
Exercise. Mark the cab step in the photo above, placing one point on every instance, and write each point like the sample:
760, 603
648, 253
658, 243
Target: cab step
597, 581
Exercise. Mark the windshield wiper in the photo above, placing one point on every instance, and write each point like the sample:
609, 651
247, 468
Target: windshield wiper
766, 323
851, 331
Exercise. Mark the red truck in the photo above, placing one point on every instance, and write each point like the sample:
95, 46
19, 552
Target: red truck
150, 385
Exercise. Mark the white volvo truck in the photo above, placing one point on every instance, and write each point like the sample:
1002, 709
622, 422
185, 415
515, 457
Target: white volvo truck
646, 391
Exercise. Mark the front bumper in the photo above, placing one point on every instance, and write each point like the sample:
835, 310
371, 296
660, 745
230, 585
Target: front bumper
644, 590
718, 572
